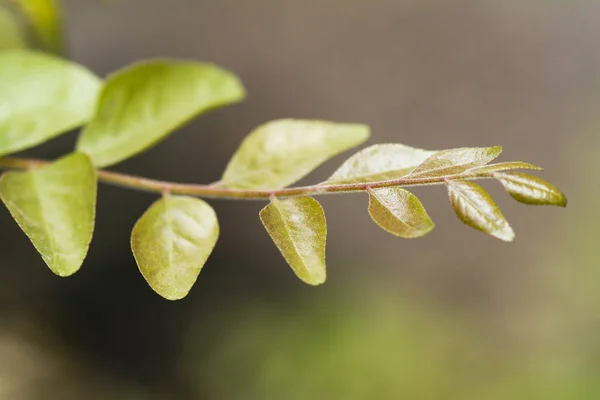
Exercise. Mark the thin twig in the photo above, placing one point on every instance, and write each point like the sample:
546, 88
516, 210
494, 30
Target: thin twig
220, 192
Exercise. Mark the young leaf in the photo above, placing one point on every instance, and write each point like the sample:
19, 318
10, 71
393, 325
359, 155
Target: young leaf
41, 96
530, 189
281, 152
379, 163
172, 241
142, 104
455, 161
55, 206
503, 166
399, 212
298, 228
474, 207
45, 19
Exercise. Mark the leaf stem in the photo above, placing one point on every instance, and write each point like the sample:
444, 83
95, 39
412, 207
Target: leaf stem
220, 192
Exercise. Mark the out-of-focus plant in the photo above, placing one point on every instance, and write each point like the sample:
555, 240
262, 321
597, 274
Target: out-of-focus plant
32, 23
373, 346
43, 96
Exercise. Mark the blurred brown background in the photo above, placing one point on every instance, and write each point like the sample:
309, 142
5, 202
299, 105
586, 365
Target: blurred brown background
454, 315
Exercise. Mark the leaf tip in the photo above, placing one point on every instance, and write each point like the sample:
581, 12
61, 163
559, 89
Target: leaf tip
496, 150
506, 235
362, 132
236, 89
561, 200
64, 274
173, 297
316, 278
356, 133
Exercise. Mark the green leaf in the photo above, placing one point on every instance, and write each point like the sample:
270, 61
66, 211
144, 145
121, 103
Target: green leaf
281, 152
55, 206
171, 243
503, 166
379, 163
455, 161
399, 212
10, 32
144, 103
44, 17
474, 207
298, 228
530, 189
41, 96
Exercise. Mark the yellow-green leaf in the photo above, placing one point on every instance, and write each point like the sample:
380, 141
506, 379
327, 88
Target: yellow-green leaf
55, 206
11, 36
455, 161
171, 243
503, 166
379, 163
41, 96
281, 152
530, 189
297, 226
399, 212
44, 16
475, 207
144, 103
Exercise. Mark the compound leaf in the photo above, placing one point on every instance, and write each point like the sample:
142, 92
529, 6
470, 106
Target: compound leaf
281, 152
455, 161
171, 243
379, 163
41, 96
55, 206
399, 212
474, 207
297, 226
144, 103
503, 166
530, 189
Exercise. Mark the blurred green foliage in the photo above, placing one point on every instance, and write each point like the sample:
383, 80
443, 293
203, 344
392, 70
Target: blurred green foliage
10, 33
375, 347
35, 23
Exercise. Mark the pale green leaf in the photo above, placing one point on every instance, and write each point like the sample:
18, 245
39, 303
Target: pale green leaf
379, 163
41, 96
474, 206
455, 161
297, 226
171, 243
11, 36
530, 189
399, 212
55, 206
281, 152
44, 16
144, 103
503, 166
